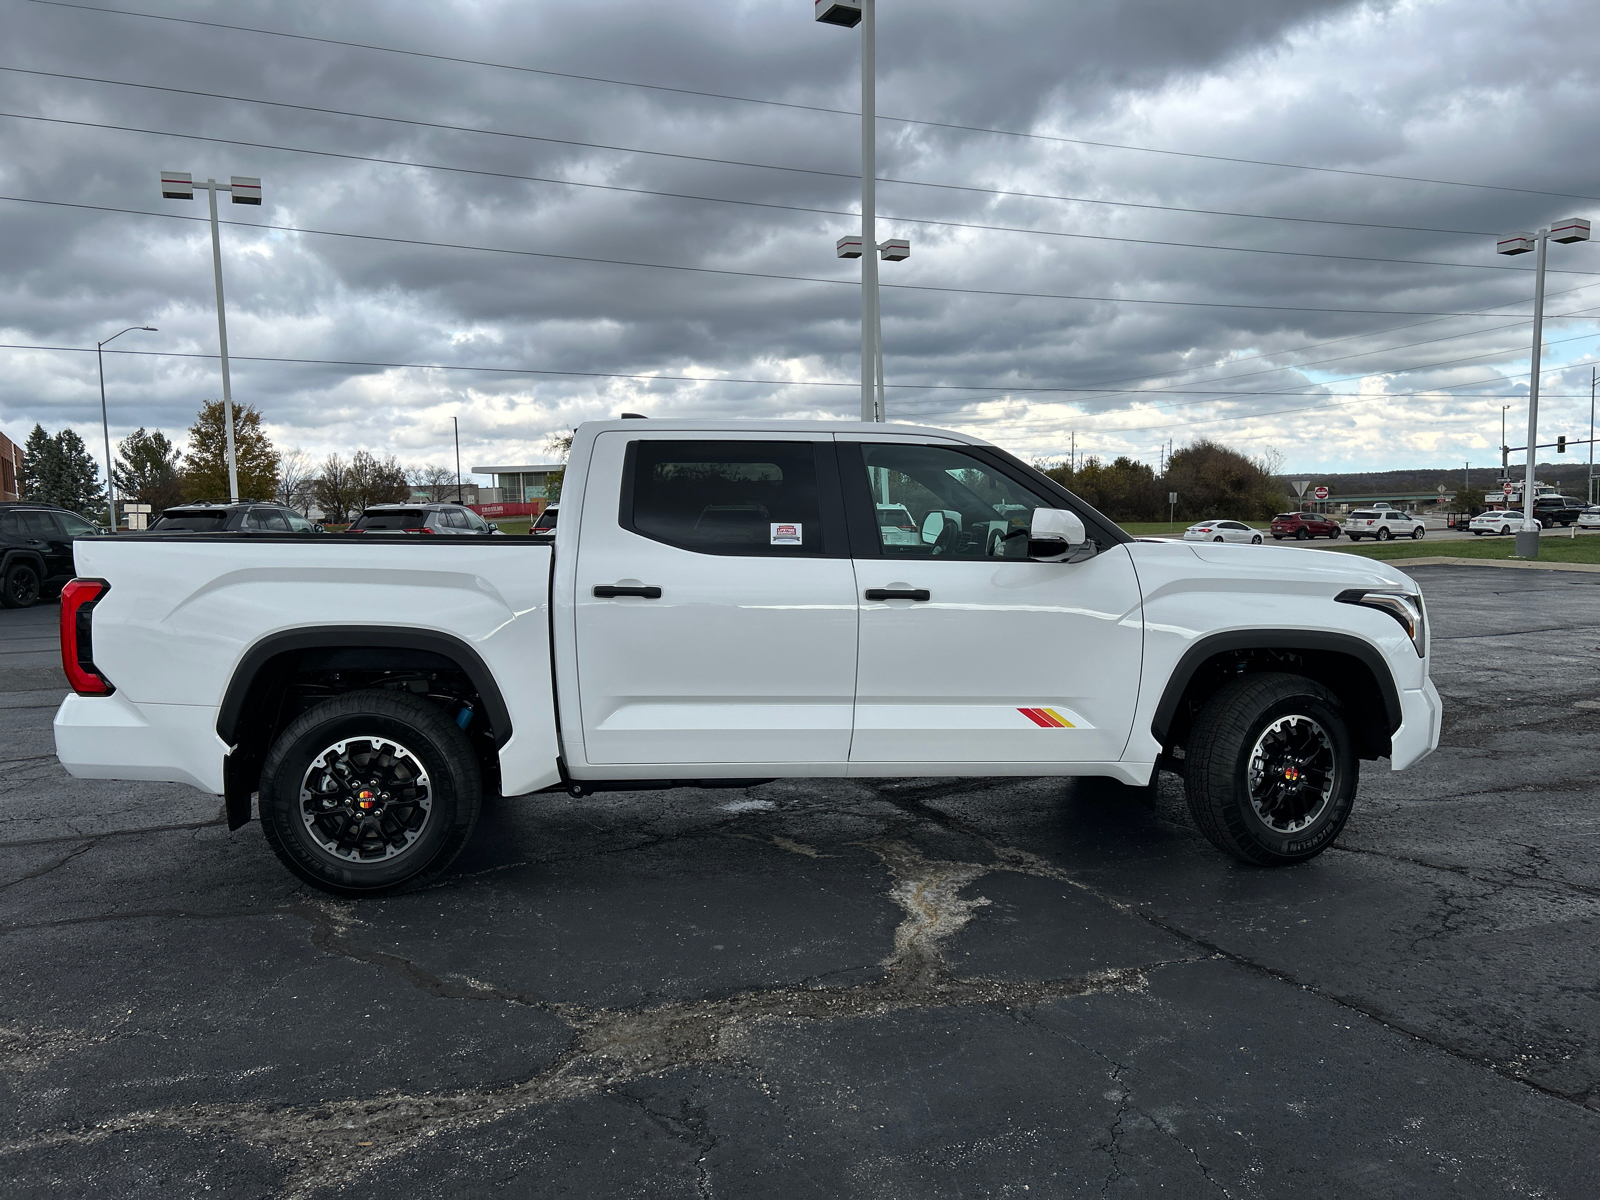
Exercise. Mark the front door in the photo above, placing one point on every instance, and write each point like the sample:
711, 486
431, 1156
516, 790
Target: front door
716, 603
969, 651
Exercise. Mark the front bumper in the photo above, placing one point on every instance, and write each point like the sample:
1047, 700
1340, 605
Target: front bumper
1421, 715
111, 737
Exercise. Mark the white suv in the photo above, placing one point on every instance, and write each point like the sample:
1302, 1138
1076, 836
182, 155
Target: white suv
1382, 524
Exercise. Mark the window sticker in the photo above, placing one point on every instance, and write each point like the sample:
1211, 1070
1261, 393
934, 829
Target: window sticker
784, 534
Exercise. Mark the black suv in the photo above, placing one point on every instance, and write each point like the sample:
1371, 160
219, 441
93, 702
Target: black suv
244, 517
36, 550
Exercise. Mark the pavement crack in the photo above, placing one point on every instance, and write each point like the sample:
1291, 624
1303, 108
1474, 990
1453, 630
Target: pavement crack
50, 866
111, 833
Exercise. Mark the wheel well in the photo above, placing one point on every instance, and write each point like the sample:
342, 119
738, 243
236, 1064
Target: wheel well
286, 676
1372, 710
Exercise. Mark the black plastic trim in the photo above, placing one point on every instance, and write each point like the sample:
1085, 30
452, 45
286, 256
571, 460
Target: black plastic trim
371, 637
1274, 639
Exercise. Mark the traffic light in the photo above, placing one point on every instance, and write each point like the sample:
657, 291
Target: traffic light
1561, 445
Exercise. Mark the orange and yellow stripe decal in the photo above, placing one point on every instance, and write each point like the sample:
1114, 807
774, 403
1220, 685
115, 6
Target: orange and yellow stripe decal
1047, 718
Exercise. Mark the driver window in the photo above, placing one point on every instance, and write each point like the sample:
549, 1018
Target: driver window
936, 502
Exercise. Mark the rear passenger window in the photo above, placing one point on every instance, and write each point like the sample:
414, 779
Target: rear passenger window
725, 497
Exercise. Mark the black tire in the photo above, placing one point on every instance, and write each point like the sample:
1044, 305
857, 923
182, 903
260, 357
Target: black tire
1277, 537
1304, 535
1477, 533
1269, 711
1216, 539
20, 587
1383, 533
1256, 541
434, 819
1355, 537
1334, 536
1416, 534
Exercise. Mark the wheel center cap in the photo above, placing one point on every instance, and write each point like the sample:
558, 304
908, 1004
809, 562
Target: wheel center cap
366, 799
1292, 774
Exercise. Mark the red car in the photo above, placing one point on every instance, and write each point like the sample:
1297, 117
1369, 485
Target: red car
1304, 526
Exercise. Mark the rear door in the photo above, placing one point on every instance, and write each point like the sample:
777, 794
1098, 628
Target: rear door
969, 651
715, 607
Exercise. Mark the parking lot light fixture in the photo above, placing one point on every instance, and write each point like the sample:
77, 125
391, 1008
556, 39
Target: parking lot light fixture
244, 189
1573, 229
105, 424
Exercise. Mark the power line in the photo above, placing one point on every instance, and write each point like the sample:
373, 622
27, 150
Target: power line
622, 262
1044, 137
798, 208
621, 375
851, 175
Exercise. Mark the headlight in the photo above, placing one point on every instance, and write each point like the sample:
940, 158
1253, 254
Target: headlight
1405, 607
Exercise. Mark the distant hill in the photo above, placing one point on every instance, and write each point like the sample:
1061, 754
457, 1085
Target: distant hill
1569, 476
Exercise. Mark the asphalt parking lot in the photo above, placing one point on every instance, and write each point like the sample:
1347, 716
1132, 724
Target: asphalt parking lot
887, 989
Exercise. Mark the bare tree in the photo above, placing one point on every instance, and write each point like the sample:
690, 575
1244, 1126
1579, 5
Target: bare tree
296, 480
331, 488
437, 480
374, 480
558, 443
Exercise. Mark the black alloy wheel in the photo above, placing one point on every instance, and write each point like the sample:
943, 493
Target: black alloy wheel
1304, 535
20, 586
1271, 771
369, 792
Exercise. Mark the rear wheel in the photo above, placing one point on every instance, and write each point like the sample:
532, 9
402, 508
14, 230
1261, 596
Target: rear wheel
1271, 773
1216, 539
1383, 534
368, 792
20, 586
1304, 535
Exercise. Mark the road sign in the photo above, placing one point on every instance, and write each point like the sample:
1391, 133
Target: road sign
1172, 497
1300, 486
1506, 488
1321, 493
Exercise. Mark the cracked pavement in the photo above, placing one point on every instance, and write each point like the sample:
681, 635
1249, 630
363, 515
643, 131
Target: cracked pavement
896, 988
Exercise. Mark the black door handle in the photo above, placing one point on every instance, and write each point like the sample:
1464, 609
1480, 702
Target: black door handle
899, 594
607, 591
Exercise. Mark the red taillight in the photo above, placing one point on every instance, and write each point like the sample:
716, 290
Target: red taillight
78, 599
418, 529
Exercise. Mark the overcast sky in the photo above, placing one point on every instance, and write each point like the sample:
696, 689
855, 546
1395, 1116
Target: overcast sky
1280, 323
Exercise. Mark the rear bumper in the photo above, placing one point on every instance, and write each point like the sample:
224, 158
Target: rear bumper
1421, 715
110, 737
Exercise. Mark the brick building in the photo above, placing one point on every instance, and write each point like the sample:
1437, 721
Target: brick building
10, 468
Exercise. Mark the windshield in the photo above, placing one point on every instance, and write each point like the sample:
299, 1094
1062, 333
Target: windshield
200, 522
394, 518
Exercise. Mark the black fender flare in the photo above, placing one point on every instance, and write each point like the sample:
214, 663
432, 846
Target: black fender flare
1274, 639
239, 775
32, 557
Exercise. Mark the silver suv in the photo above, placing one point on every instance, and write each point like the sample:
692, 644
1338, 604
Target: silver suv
421, 518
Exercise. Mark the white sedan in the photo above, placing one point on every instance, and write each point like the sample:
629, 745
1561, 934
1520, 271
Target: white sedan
1221, 531
1589, 518
1496, 522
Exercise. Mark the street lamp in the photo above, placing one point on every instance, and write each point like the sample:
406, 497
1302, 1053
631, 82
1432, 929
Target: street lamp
105, 425
456, 425
850, 13
1573, 229
178, 185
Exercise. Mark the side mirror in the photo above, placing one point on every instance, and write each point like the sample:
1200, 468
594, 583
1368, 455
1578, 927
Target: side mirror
318, 527
494, 527
1056, 535
932, 527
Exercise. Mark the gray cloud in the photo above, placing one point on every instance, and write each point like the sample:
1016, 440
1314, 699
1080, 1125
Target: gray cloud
1433, 90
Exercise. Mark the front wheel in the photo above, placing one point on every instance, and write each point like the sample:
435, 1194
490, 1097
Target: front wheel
1416, 534
370, 791
1334, 536
19, 588
1256, 541
1271, 772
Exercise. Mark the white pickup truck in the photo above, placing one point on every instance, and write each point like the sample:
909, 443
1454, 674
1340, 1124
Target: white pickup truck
723, 604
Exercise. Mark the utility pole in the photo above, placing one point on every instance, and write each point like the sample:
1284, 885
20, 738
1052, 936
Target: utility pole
179, 185
105, 424
456, 425
1591, 434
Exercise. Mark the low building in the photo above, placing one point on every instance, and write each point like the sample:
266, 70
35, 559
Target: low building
522, 485
10, 469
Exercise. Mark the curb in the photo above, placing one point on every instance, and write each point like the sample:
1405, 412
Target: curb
1514, 563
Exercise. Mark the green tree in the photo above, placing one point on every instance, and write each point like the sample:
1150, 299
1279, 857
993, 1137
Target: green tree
557, 443
60, 470
146, 469
375, 481
1471, 500
205, 461
41, 468
1214, 481
1122, 489
80, 488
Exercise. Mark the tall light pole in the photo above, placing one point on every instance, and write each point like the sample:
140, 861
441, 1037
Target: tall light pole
850, 13
105, 424
1591, 434
1573, 229
456, 425
178, 185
